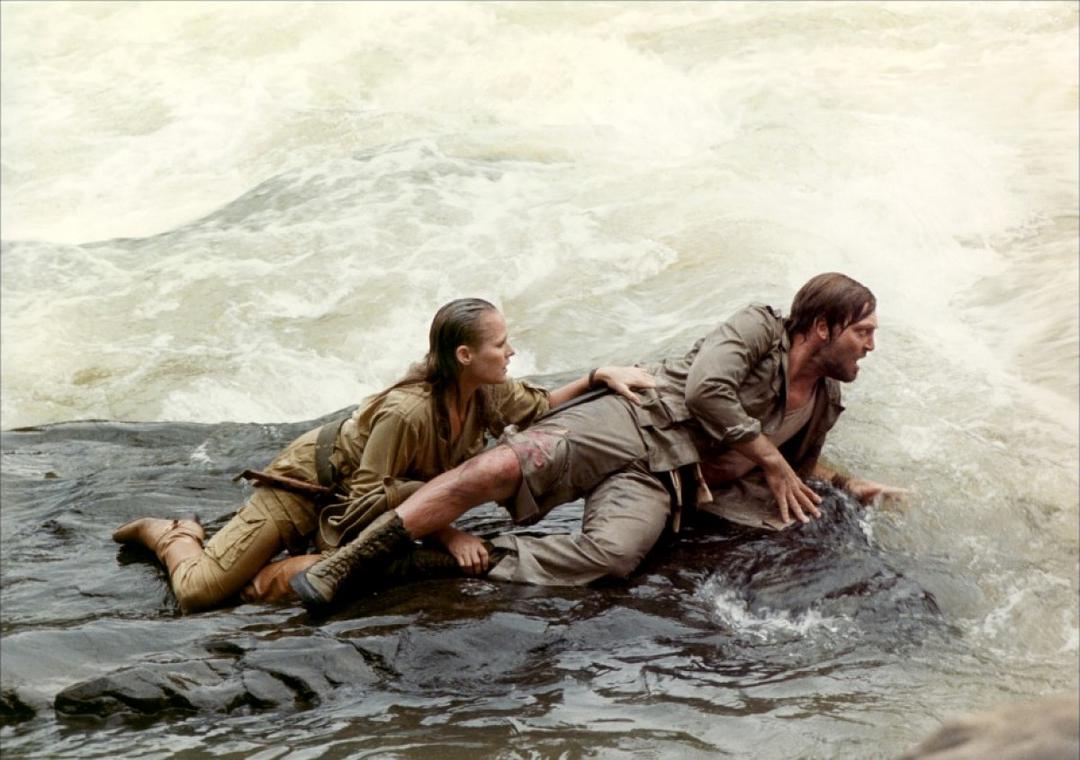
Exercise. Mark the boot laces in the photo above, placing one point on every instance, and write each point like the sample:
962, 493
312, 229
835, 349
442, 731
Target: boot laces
338, 567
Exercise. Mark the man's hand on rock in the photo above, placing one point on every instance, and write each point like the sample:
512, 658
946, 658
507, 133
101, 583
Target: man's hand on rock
796, 499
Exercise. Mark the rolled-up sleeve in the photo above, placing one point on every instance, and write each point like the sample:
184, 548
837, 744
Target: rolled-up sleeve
723, 362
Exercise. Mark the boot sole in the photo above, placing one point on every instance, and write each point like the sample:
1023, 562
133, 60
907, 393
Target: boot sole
309, 597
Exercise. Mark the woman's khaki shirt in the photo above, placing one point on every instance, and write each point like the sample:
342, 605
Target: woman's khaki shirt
391, 445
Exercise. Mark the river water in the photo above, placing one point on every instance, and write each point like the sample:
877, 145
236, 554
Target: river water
247, 213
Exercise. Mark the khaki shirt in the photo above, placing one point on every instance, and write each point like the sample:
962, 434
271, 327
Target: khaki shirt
729, 388
392, 444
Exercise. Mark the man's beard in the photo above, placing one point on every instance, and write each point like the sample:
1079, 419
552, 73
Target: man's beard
835, 365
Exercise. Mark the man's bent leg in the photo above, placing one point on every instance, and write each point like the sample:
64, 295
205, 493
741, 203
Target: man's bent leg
489, 476
493, 475
624, 516
606, 439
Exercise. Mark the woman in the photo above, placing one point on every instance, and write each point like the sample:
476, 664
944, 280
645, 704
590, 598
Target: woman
331, 482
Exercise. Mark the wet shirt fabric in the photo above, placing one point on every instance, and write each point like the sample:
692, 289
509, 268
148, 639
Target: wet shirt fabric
393, 444
729, 388
732, 464
637, 465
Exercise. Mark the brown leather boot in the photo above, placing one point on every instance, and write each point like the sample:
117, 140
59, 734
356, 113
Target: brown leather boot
426, 562
369, 552
171, 540
420, 564
408, 564
271, 584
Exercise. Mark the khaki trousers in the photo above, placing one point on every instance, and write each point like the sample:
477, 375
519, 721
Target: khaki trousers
593, 450
257, 532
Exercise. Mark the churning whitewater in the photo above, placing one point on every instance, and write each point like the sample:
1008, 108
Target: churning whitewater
223, 221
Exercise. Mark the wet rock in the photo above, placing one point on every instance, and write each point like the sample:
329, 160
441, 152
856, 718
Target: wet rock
829, 565
13, 709
291, 673
1043, 729
428, 665
144, 690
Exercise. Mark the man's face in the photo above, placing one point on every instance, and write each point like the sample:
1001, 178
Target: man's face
840, 356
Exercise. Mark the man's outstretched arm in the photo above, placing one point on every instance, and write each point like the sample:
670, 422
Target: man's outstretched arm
863, 490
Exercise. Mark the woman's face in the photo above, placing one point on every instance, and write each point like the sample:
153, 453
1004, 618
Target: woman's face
485, 363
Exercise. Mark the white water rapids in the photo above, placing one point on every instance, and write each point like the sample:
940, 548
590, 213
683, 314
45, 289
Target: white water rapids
249, 212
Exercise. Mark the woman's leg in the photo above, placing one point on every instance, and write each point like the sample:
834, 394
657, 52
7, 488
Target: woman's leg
229, 560
205, 578
271, 584
173, 541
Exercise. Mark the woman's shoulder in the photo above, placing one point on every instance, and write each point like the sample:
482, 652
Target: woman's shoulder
518, 402
511, 386
407, 403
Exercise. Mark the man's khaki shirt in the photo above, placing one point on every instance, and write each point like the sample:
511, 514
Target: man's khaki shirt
729, 388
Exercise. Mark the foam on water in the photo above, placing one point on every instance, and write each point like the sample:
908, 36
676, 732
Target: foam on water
733, 612
258, 296
710, 139
222, 212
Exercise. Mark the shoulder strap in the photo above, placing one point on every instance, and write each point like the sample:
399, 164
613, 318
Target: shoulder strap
324, 447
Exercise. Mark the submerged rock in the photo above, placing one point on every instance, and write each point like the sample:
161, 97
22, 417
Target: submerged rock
13, 709
290, 673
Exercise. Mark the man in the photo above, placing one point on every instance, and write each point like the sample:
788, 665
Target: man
740, 420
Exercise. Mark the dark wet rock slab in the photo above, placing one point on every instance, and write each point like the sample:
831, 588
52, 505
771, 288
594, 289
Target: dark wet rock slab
295, 673
13, 709
722, 624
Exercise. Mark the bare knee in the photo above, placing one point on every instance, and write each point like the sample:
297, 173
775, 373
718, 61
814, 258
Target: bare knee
490, 476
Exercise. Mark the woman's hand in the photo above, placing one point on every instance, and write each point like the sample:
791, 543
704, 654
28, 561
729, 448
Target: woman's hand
469, 551
622, 379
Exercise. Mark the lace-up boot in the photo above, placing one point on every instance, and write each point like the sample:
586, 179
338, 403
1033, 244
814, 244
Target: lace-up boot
372, 550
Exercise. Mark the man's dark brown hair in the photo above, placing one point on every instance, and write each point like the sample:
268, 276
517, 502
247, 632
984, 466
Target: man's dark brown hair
836, 298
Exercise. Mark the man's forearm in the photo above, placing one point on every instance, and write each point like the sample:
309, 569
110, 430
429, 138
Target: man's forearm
761, 451
792, 495
863, 490
832, 475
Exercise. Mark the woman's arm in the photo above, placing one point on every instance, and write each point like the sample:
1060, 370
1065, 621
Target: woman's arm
389, 452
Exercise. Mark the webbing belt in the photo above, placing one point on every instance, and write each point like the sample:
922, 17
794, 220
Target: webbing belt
324, 447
